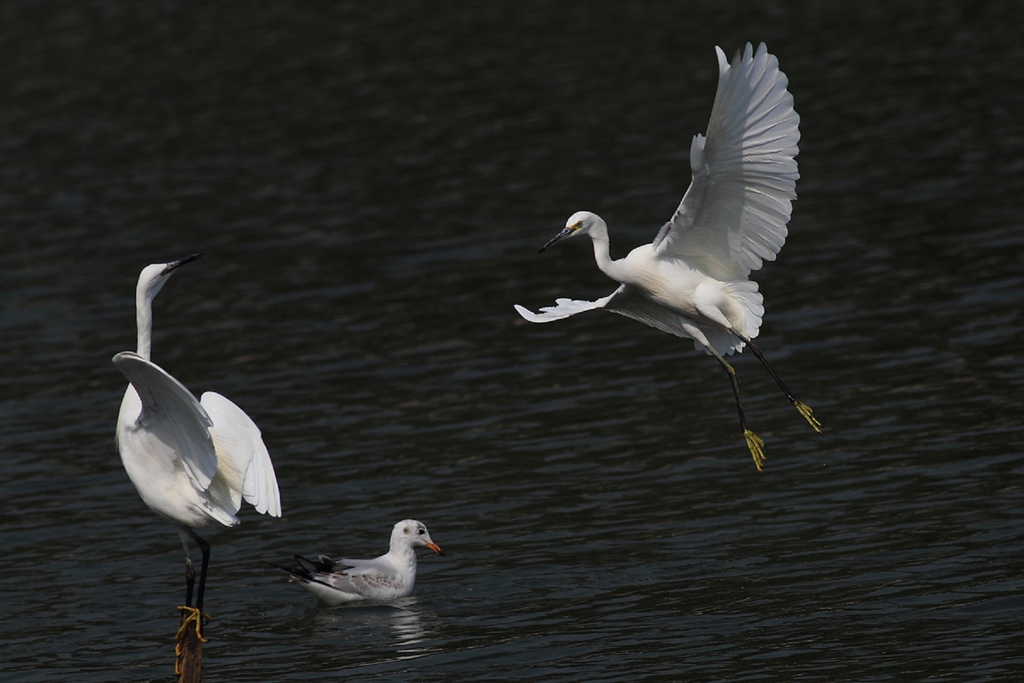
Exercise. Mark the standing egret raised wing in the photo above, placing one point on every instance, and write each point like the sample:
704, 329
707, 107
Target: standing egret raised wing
172, 413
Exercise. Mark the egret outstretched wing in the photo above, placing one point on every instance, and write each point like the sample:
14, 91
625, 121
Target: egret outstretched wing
733, 216
564, 308
172, 413
240, 445
630, 302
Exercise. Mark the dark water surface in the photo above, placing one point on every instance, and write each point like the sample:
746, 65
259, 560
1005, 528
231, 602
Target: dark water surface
370, 187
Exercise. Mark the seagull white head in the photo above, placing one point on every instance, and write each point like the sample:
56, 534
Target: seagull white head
580, 223
153, 277
412, 533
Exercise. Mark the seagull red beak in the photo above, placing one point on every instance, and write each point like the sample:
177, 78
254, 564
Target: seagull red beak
436, 548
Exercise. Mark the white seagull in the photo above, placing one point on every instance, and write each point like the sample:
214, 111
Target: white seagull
192, 461
692, 281
388, 577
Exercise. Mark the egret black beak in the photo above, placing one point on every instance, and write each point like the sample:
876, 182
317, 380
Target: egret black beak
180, 262
565, 233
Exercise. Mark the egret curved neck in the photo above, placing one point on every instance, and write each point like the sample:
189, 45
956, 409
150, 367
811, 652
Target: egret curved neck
602, 252
144, 322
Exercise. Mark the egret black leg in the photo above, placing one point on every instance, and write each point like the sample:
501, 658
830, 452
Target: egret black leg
754, 442
190, 572
190, 582
205, 548
804, 409
193, 614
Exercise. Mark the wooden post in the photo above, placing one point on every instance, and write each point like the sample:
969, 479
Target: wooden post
188, 650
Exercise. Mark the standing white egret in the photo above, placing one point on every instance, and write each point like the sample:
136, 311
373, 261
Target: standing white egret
692, 281
191, 461
388, 577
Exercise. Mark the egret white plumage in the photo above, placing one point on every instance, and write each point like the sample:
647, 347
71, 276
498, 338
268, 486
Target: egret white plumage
693, 280
192, 461
388, 577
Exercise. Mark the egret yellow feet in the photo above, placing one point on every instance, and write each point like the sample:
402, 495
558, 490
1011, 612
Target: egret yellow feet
194, 615
756, 446
808, 414
188, 651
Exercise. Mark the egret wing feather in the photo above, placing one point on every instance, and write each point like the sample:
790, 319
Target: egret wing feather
631, 303
564, 308
243, 455
733, 216
166, 401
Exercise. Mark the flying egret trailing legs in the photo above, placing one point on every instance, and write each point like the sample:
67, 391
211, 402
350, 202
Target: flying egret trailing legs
692, 281
192, 461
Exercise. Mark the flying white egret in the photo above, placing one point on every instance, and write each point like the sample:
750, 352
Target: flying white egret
191, 461
388, 577
692, 281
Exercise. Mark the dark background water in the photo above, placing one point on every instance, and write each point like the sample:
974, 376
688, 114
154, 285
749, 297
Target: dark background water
370, 186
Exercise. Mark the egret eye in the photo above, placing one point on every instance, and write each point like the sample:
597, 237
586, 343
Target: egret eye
579, 224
